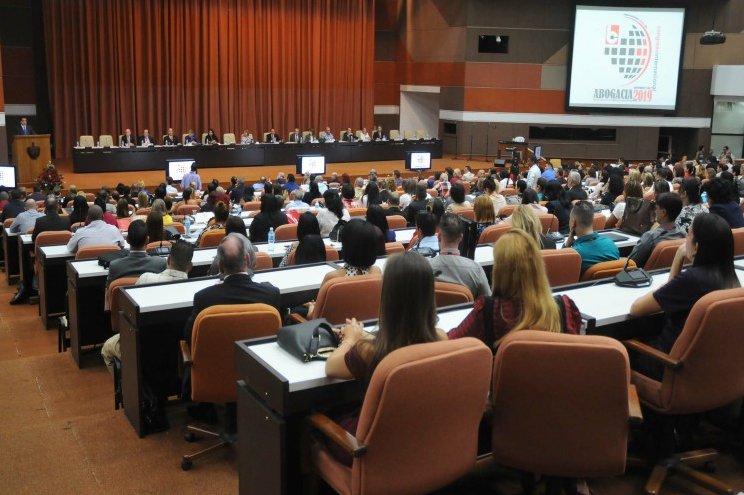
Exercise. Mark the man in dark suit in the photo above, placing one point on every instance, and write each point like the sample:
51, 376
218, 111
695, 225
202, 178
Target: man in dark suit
23, 128
273, 137
14, 207
51, 221
170, 139
349, 136
138, 261
419, 204
127, 139
146, 139
236, 260
296, 136
377, 134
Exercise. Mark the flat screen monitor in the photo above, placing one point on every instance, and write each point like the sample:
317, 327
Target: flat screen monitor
7, 176
311, 164
538, 152
176, 169
626, 58
418, 160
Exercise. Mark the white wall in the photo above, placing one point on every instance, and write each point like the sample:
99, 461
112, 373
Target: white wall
419, 110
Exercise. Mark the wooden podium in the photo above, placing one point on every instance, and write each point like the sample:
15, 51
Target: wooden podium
29, 168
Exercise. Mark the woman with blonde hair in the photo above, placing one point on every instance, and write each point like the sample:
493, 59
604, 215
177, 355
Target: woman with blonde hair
483, 212
143, 201
159, 206
521, 298
524, 218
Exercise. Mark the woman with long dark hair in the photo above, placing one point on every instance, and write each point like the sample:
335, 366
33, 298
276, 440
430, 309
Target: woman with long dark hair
709, 245
311, 249
269, 216
558, 204
312, 194
371, 195
79, 210
376, 216
307, 224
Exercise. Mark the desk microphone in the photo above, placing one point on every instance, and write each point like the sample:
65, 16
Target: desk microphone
633, 278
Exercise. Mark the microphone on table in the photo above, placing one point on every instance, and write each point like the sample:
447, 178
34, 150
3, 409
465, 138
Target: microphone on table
633, 278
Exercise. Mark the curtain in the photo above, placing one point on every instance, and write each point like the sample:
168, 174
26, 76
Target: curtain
229, 65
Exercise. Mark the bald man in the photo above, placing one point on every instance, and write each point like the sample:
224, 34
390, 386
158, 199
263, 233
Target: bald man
95, 232
25, 221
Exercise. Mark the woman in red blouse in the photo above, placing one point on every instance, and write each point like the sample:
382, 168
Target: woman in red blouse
521, 296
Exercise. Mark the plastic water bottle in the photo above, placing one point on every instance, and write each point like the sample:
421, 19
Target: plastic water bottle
271, 239
187, 226
704, 198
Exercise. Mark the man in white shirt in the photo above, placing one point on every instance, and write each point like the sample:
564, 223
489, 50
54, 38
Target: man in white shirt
533, 174
327, 136
296, 202
179, 266
26, 220
96, 232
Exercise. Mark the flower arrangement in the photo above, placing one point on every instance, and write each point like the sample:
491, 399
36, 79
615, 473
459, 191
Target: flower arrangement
50, 180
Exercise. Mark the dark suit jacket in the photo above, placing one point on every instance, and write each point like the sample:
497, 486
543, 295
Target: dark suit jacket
270, 138
413, 209
394, 210
19, 130
236, 289
50, 222
350, 137
135, 264
168, 140
12, 209
132, 140
377, 135
296, 137
141, 140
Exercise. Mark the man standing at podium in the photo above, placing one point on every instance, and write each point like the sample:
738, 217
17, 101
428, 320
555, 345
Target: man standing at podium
23, 128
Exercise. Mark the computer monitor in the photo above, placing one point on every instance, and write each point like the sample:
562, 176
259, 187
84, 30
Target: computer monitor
311, 164
418, 160
177, 168
7, 176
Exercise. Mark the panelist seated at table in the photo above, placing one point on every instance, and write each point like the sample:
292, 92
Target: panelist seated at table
326, 136
178, 268
378, 135
408, 278
137, 261
95, 232
190, 138
668, 206
295, 136
709, 245
364, 136
26, 219
145, 139
211, 137
247, 138
349, 136
521, 297
237, 260
51, 220
311, 137
592, 247
272, 137
127, 140
170, 139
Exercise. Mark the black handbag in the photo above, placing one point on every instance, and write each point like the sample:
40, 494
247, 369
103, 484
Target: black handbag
312, 340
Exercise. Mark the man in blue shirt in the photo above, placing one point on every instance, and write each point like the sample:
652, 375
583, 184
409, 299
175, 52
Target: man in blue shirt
192, 177
592, 247
549, 172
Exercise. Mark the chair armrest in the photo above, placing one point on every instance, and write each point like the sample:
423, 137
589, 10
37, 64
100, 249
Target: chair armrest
186, 353
647, 350
337, 435
634, 406
297, 318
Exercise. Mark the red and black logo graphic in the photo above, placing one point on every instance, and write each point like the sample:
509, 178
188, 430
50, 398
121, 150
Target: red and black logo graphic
628, 46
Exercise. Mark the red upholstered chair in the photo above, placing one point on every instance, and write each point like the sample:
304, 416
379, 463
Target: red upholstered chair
492, 233
468, 213
95, 250
252, 206
357, 212
563, 266
157, 244
545, 421
143, 211
187, 209
663, 254
75, 226
448, 294
393, 248
286, 232
506, 211
606, 269
212, 238
599, 221
49, 238
412, 437
396, 222
549, 223
263, 261
707, 350
8, 222
112, 302
509, 191
211, 356
347, 297
738, 241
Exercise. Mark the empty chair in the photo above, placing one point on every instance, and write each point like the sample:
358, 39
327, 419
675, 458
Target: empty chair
87, 141
394, 134
492, 233
707, 350
420, 133
738, 241
106, 140
178, 226
412, 437
549, 223
394, 248
545, 420
396, 222
111, 299
606, 269
211, 358
663, 254
599, 221
95, 250
49, 238
263, 261
357, 212
449, 294
287, 232
347, 297
211, 238
409, 134
228, 138
562, 266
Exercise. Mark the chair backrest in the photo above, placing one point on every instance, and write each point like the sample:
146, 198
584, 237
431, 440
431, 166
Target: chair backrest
178, 226
228, 138
409, 134
113, 301
397, 222
419, 439
420, 133
252, 206
738, 241
52, 237
211, 238
346, 297
506, 211
561, 404
216, 329
265, 136
7, 223
549, 223
394, 133
357, 212
492, 233
143, 211
95, 250
468, 213
287, 232
106, 140
187, 209
203, 136
508, 191
448, 294
157, 244
264, 261
87, 141
663, 254
599, 221
563, 266
330, 252
76, 226
606, 269
394, 248
433, 193
709, 348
